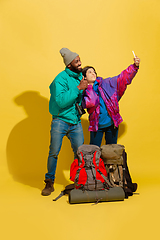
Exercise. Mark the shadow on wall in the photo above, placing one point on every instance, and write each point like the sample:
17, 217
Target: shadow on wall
28, 143
122, 130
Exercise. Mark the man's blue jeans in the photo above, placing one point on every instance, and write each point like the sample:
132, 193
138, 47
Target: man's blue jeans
59, 129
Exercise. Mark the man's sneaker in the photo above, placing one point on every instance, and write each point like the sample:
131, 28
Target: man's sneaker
48, 188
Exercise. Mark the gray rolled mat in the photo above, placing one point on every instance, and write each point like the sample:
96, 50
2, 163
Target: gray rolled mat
113, 194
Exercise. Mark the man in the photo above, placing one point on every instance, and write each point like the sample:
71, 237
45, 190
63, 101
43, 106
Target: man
66, 90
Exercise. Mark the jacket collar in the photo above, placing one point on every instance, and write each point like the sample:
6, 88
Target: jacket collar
73, 74
98, 82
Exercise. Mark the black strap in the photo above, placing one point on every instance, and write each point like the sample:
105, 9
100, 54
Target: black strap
59, 196
67, 190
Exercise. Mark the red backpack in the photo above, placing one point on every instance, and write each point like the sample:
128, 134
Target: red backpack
88, 171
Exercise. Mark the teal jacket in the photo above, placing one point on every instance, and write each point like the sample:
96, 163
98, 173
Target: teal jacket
64, 95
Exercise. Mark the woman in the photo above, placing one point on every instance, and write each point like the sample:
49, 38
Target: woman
101, 100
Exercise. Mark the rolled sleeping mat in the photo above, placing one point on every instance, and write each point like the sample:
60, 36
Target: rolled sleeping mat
80, 196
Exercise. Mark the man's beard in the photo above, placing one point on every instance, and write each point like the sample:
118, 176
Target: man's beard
75, 69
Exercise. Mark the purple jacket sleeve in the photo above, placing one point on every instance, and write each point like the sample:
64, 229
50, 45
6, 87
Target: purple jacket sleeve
90, 99
125, 78
121, 81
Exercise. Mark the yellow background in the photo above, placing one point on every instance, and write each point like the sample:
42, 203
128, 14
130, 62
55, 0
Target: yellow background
104, 33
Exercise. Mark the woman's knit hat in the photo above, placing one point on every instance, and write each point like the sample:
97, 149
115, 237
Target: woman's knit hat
67, 55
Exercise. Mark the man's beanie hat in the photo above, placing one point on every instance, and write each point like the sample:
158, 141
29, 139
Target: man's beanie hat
67, 55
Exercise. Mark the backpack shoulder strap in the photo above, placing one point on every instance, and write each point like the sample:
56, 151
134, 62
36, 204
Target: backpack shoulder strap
96, 161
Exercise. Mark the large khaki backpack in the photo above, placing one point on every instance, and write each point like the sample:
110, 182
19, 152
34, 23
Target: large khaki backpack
113, 156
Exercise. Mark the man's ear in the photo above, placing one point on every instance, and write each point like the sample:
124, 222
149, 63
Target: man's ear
69, 65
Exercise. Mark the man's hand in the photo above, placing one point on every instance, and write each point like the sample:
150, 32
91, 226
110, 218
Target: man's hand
83, 84
136, 61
